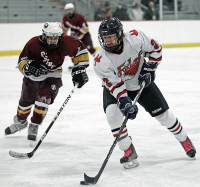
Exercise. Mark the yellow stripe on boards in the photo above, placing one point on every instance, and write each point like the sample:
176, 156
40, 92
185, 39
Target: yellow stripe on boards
10, 53
180, 45
17, 52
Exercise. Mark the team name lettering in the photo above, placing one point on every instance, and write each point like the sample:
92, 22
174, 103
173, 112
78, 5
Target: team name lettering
129, 67
46, 60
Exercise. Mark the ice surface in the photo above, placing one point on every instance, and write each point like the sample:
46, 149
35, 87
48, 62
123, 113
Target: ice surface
80, 138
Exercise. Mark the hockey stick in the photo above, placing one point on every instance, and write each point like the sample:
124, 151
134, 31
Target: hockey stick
29, 155
94, 180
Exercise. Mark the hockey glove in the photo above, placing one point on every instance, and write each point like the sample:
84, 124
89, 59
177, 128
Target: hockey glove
33, 68
79, 76
147, 73
126, 107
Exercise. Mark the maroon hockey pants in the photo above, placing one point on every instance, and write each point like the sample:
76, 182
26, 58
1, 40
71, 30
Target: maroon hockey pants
37, 93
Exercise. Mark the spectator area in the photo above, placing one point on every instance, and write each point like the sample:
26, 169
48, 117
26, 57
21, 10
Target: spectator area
19, 11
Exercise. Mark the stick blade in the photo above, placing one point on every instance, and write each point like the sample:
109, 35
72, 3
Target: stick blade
84, 183
91, 180
19, 155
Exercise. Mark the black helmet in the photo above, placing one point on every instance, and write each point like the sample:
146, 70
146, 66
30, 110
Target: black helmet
107, 27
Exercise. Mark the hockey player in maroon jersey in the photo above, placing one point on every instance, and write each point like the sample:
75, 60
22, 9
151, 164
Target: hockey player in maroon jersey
78, 26
41, 64
121, 65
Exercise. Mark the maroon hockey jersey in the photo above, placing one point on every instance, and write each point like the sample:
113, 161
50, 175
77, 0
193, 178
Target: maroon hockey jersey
52, 60
77, 24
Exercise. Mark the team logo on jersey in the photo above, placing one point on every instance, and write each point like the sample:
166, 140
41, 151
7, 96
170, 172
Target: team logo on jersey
97, 59
46, 60
53, 87
129, 67
134, 32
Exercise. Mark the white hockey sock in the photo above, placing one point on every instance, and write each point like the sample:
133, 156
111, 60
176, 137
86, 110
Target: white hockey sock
173, 125
115, 120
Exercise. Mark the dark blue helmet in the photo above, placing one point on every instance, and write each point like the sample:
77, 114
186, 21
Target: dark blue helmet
107, 27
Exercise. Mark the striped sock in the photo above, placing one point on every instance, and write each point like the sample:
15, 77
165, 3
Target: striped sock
39, 112
178, 131
23, 112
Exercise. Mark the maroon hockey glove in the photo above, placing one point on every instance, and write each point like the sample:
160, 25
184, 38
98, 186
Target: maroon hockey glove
126, 107
34, 68
79, 76
147, 73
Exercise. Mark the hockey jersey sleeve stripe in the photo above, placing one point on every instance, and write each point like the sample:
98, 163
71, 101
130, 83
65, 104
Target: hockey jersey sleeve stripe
82, 63
84, 51
80, 58
65, 29
58, 70
116, 86
156, 51
21, 65
84, 30
121, 93
155, 59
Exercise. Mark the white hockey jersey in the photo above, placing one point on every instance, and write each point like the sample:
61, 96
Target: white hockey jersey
120, 72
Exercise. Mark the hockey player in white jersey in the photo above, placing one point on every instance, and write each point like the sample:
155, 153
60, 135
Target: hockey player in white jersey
121, 64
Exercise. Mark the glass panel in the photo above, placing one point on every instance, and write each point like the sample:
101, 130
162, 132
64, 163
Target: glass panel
94, 10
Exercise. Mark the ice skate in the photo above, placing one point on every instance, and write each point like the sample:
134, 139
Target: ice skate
189, 148
32, 131
16, 126
129, 160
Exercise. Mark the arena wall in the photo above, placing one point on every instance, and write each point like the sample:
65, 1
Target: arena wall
180, 33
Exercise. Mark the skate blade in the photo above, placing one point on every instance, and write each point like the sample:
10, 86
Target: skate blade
132, 164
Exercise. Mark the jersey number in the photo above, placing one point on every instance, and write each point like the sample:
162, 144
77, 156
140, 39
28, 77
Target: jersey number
107, 82
153, 43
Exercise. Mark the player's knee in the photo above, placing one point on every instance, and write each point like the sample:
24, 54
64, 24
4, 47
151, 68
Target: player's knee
44, 96
114, 115
167, 118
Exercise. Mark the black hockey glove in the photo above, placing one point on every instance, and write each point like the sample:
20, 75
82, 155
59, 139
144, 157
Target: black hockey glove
79, 76
147, 73
126, 107
33, 68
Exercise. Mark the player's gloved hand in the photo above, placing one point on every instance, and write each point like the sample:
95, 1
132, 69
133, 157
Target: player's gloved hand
147, 73
33, 68
79, 76
126, 107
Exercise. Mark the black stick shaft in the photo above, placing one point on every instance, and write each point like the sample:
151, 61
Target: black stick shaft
51, 124
93, 180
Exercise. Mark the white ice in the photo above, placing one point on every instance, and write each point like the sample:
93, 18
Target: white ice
80, 139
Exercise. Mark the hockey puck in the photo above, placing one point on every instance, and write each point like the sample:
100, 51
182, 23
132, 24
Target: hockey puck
84, 183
